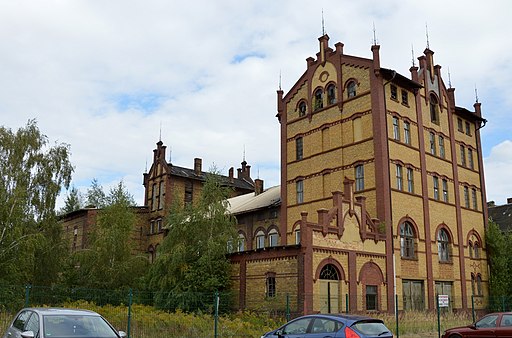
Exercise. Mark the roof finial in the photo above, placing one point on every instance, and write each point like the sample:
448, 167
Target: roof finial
374, 35
476, 94
244, 154
449, 78
160, 136
279, 79
146, 170
412, 53
426, 31
323, 23
170, 154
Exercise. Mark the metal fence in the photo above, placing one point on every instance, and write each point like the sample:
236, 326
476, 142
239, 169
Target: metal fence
145, 314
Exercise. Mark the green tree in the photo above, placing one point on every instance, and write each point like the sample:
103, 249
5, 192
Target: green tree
193, 257
95, 195
33, 173
72, 202
111, 260
500, 261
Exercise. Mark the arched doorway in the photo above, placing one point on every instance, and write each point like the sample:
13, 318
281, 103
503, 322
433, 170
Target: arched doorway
329, 289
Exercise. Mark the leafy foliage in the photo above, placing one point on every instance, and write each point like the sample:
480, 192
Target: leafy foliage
95, 195
499, 246
33, 174
72, 202
193, 256
110, 261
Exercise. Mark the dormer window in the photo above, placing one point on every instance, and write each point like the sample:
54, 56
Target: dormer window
302, 108
331, 94
434, 109
351, 89
319, 99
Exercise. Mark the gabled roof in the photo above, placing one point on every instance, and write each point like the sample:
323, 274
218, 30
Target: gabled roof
271, 197
399, 79
502, 215
463, 112
240, 183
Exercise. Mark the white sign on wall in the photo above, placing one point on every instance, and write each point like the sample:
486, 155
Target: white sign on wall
443, 300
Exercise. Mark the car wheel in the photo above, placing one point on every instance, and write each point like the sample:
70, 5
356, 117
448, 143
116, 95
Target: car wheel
455, 336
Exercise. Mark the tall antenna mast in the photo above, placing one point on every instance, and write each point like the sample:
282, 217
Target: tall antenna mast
160, 136
412, 53
449, 78
244, 153
476, 94
374, 35
323, 23
279, 79
426, 30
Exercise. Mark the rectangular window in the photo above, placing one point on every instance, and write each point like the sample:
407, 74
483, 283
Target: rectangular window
432, 143
159, 225
154, 202
445, 190
359, 177
468, 128
272, 239
463, 155
441, 147
271, 286
405, 97
394, 92
371, 298
152, 227
466, 197
297, 236
162, 195
299, 148
300, 191
188, 192
399, 178
407, 132
260, 241
475, 202
410, 180
459, 124
396, 129
436, 187
470, 159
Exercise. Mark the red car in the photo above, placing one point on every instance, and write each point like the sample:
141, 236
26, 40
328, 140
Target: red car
497, 324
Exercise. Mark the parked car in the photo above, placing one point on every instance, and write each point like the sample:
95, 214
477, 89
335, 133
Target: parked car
60, 323
497, 324
333, 326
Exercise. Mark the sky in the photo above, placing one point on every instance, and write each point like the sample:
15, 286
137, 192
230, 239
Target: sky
112, 78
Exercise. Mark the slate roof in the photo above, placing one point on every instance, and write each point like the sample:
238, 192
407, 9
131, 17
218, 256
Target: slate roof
270, 197
239, 183
501, 215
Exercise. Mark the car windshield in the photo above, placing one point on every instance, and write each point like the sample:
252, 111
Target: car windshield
71, 326
371, 327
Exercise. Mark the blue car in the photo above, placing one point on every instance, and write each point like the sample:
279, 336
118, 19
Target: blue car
332, 326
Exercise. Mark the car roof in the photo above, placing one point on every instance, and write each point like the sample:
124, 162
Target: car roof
342, 316
62, 311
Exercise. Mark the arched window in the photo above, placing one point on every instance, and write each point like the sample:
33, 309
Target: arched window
273, 237
241, 242
260, 240
476, 250
473, 284
470, 246
434, 109
302, 108
297, 236
479, 284
331, 94
319, 99
329, 272
443, 245
351, 89
407, 240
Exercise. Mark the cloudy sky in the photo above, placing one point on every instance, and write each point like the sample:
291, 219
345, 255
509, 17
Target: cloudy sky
110, 77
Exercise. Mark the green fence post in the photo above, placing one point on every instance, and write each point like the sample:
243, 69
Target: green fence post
502, 303
396, 317
438, 318
27, 294
287, 307
473, 307
216, 324
130, 299
346, 302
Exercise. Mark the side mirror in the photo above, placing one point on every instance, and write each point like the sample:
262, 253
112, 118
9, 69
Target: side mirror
28, 334
122, 334
279, 333
472, 326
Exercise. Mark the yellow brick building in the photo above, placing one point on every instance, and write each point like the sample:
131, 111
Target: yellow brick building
382, 192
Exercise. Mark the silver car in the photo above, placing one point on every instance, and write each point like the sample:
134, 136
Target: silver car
60, 323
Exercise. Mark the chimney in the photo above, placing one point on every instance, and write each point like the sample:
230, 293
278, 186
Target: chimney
197, 166
451, 98
491, 204
231, 176
324, 46
258, 186
376, 59
478, 109
509, 200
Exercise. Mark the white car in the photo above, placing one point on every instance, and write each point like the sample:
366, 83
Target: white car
60, 323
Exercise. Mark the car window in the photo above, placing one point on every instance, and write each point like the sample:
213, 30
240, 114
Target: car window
63, 326
371, 327
487, 321
298, 326
506, 320
33, 324
323, 325
20, 321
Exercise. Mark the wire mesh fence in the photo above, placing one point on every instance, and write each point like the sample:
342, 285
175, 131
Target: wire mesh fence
144, 314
